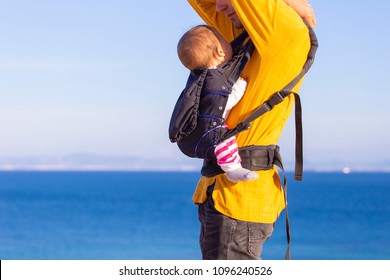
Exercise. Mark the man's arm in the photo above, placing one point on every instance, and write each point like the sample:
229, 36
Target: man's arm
271, 24
260, 21
207, 10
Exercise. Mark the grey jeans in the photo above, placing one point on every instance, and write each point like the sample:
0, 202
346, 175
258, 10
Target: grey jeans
224, 238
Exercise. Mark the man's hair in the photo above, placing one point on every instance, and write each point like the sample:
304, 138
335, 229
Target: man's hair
197, 47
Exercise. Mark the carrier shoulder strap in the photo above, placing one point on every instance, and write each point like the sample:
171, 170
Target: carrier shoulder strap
277, 98
242, 53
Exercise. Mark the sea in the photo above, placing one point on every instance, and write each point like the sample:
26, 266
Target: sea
150, 216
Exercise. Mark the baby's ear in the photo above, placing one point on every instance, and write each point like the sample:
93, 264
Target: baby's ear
220, 51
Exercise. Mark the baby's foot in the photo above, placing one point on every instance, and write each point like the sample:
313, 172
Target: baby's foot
241, 174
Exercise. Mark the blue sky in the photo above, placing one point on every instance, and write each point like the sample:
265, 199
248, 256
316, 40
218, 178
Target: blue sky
102, 77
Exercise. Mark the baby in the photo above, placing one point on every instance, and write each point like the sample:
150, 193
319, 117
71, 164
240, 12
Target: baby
202, 47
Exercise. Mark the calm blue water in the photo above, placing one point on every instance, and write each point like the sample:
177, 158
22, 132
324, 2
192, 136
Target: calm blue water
150, 215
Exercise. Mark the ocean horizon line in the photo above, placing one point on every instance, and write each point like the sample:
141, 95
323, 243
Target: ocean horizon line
98, 162
94, 162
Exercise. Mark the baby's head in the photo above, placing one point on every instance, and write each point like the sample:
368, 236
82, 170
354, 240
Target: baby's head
203, 47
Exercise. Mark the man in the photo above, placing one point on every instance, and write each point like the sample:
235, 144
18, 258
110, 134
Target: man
237, 218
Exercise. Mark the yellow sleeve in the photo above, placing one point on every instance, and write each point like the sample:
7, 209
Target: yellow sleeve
206, 9
264, 19
271, 24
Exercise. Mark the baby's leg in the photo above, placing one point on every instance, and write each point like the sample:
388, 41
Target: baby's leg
229, 160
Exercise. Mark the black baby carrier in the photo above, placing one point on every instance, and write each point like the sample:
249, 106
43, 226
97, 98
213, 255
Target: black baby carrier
197, 124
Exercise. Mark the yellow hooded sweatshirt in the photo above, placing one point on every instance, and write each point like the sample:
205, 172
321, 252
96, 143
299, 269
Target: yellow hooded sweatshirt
282, 44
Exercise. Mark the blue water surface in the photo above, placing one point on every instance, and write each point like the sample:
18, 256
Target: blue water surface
150, 215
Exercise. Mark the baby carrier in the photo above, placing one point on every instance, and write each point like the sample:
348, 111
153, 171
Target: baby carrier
197, 124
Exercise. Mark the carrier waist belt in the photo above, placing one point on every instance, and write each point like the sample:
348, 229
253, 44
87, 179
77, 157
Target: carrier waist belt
253, 158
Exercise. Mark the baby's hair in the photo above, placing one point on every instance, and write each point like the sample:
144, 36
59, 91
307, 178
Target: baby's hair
197, 47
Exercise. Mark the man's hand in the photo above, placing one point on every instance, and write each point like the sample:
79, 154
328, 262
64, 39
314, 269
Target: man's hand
304, 9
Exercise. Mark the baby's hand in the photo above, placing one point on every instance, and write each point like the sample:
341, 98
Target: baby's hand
242, 83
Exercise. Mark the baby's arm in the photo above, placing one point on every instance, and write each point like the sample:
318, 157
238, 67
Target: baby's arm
237, 93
